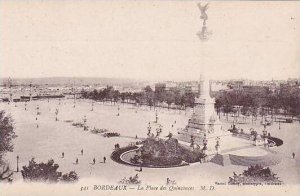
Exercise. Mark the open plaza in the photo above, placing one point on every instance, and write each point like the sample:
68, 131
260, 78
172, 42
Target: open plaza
42, 137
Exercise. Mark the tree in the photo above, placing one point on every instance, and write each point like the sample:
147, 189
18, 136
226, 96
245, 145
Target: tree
148, 96
46, 172
218, 106
5, 173
84, 94
255, 174
170, 98
7, 133
148, 89
95, 94
70, 177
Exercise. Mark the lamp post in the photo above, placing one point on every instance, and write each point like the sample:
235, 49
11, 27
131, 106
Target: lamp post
136, 108
37, 109
25, 105
149, 129
217, 144
84, 123
36, 119
56, 113
74, 91
118, 111
156, 116
92, 106
18, 163
204, 147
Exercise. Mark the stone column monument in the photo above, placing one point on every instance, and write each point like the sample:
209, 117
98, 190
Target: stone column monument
203, 124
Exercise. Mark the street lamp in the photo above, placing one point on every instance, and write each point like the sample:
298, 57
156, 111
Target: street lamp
37, 110
149, 129
56, 113
18, 163
118, 111
84, 123
217, 144
74, 101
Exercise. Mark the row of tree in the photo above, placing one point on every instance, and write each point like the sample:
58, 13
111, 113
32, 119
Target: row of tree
148, 97
254, 102
284, 100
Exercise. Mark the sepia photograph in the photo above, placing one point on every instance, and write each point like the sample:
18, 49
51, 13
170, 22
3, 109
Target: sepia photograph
140, 97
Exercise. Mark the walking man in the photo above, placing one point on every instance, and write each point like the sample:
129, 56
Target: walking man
81, 152
63, 155
104, 159
293, 154
94, 161
76, 161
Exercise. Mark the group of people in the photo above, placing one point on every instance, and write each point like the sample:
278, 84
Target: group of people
81, 152
117, 146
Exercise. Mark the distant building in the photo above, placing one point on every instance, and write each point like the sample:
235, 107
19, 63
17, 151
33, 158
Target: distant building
160, 87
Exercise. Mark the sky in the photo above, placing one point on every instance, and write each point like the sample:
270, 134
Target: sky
149, 40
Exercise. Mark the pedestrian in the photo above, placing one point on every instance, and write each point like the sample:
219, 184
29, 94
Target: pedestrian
94, 161
141, 169
293, 154
62, 154
81, 152
104, 159
135, 136
76, 161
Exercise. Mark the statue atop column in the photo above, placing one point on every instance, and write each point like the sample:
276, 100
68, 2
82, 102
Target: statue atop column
203, 34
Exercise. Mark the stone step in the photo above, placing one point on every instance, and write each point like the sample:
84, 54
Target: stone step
267, 160
226, 160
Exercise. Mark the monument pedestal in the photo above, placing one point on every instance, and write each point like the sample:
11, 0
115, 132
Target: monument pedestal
203, 126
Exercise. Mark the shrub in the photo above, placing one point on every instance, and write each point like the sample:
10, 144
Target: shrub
46, 172
70, 177
131, 180
255, 174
